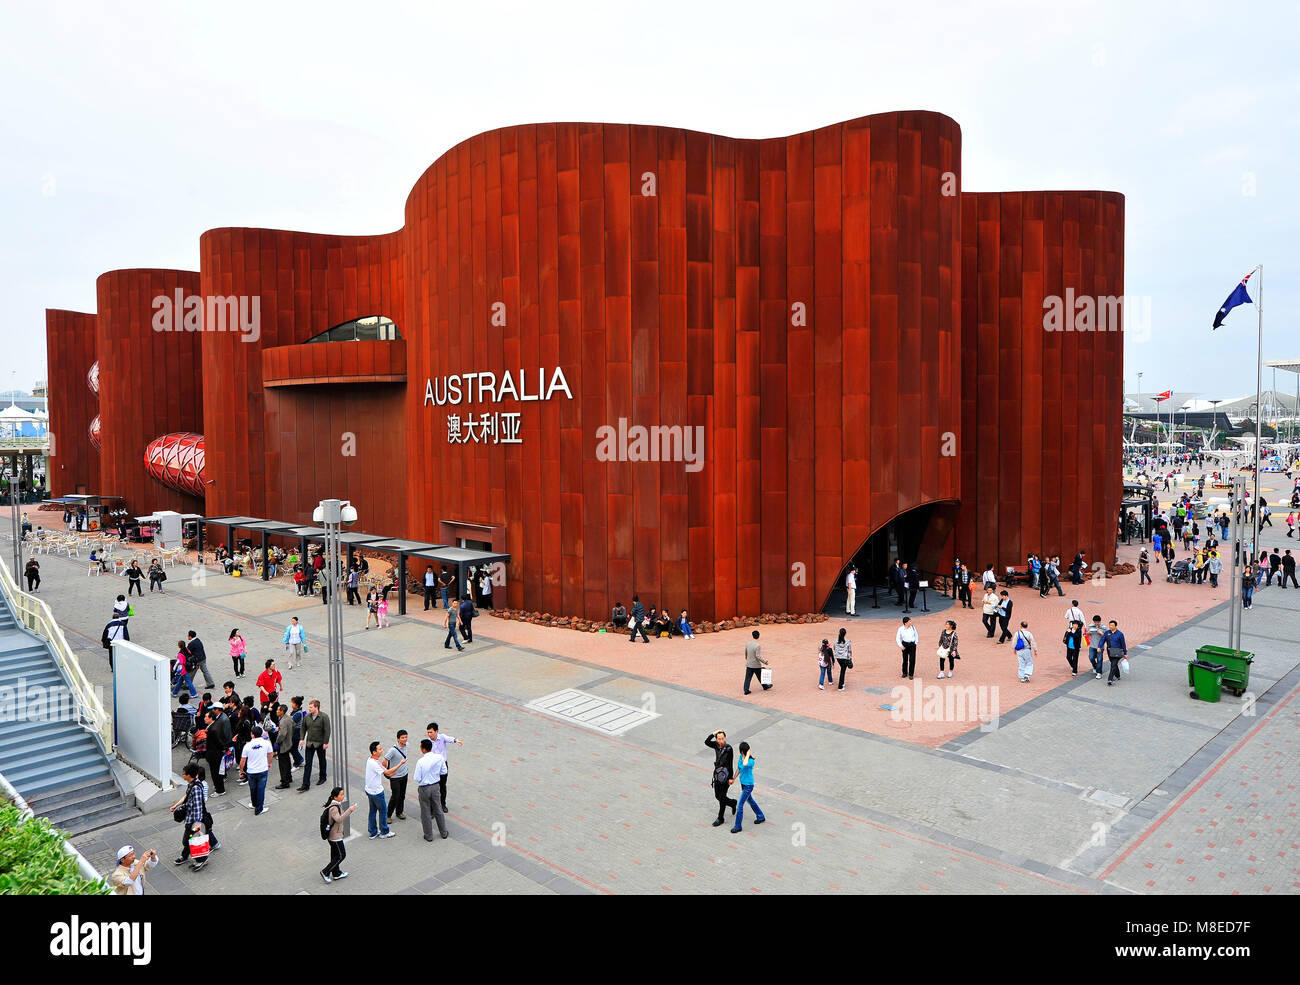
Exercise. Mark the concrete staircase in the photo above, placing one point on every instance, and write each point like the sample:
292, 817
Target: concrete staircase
56, 765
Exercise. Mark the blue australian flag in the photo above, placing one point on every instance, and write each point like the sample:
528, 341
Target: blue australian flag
1238, 296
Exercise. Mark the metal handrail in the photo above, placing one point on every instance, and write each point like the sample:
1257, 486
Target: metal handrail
37, 617
87, 870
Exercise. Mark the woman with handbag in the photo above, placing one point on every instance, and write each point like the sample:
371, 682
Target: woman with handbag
237, 650
948, 648
843, 650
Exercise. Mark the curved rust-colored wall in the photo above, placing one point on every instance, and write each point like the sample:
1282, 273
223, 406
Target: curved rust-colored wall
677, 309
149, 383
828, 307
1043, 438
275, 456
73, 464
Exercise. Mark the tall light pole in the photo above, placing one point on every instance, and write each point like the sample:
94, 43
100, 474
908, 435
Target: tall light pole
330, 514
1139, 394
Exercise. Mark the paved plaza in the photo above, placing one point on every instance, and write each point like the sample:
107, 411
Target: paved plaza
1074, 787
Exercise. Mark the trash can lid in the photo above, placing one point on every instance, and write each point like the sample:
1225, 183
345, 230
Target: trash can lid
1211, 667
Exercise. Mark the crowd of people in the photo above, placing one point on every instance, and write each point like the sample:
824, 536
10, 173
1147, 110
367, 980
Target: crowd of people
651, 623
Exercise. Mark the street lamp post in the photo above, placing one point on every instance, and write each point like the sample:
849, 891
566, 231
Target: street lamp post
330, 514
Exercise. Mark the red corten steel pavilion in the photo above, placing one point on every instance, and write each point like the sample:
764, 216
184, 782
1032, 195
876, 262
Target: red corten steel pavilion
852, 348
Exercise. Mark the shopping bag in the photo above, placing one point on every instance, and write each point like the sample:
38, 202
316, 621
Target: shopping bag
1123, 666
199, 846
765, 677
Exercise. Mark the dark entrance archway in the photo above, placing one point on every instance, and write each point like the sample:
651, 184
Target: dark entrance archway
917, 536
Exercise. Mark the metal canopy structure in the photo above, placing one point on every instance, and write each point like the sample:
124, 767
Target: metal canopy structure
403, 549
461, 557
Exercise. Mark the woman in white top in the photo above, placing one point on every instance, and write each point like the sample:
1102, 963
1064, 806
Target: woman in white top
843, 654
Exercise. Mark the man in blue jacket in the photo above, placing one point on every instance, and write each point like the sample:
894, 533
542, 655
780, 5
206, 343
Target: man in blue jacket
1116, 650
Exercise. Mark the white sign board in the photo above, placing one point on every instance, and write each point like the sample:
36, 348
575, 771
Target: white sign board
142, 726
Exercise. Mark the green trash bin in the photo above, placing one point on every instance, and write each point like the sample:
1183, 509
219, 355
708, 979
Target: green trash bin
1205, 678
1236, 674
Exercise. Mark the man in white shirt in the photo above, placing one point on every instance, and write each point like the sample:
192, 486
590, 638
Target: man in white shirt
1075, 614
256, 765
990, 578
907, 638
440, 747
851, 592
428, 770
128, 878
375, 773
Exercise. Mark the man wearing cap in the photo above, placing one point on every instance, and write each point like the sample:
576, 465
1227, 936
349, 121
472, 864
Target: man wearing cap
128, 878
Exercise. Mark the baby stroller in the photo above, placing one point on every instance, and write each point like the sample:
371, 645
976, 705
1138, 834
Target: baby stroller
182, 724
1181, 571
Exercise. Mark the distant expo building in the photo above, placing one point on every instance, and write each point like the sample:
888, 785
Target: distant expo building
841, 354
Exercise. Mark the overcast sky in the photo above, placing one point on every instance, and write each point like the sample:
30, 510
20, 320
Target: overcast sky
130, 129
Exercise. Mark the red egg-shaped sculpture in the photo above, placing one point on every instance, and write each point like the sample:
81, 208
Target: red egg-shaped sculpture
93, 431
176, 460
92, 377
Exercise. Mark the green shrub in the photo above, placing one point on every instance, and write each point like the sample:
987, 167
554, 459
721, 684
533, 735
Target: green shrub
33, 861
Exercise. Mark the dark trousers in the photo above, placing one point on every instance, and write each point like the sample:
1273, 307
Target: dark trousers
33, 582
337, 854
1289, 574
354, 596
286, 768
397, 802
187, 830
909, 659
963, 596
990, 623
451, 638
720, 791
213, 758
155, 582
486, 601
442, 792
750, 674
237, 664
1072, 658
640, 628
1145, 575
1006, 631
843, 667
428, 597
466, 630
133, 584
306, 770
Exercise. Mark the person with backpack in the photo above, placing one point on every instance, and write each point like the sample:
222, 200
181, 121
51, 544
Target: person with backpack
1073, 640
825, 665
1026, 649
396, 756
723, 772
746, 776
332, 820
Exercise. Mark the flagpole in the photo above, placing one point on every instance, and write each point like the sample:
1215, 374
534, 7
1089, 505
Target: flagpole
1259, 409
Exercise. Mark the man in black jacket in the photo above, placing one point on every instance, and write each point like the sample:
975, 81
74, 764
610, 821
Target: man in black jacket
724, 773
197, 657
1004, 615
638, 620
219, 736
